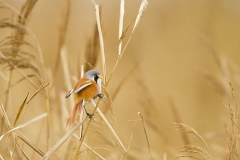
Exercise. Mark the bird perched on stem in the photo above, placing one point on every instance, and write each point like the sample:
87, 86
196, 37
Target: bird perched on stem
86, 89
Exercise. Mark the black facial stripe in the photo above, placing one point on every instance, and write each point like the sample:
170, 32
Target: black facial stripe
95, 78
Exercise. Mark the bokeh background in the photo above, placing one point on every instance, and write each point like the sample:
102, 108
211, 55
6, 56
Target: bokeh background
176, 69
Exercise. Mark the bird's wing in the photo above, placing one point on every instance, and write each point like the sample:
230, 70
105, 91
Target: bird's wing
82, 86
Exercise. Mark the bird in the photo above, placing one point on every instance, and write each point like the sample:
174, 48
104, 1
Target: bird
86, 89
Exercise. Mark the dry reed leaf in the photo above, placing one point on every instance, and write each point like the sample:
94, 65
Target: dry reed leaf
120, 31
5, 114
109, 126
22, 79
100, 130
190, 156
101, 41
124, 80
27, 141
123, 34
3, 76
25, 124
87, 127
130, 141
92, 50
142, 9
107, 148
88, 147
64, 111
43, 85
20, 110
152, 111
108, 101
23, 152
65, 66
19, 134
62, 35
61, 141
146, 134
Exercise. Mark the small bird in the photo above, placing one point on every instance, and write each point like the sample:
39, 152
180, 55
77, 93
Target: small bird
86, 89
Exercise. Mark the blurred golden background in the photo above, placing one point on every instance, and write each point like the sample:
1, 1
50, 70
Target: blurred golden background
177, 66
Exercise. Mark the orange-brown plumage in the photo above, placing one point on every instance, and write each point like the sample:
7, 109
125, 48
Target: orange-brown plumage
84, 90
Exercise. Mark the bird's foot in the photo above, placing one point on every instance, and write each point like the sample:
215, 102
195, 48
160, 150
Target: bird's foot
101, 96
89, 114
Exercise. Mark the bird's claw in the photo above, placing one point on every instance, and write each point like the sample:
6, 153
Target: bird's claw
101, 95
89, 115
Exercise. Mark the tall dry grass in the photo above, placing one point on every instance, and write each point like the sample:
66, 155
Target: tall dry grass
35, 128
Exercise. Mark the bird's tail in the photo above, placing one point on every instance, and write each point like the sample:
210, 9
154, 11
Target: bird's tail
75, 110
69, 93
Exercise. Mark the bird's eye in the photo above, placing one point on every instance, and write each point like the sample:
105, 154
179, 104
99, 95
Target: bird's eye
95, 78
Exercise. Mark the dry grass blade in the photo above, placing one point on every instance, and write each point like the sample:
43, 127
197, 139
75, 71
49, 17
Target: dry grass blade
26, 11
110, 127
88, 147
122, 3
184, 128
39, 89
25, 124
22, 79
101, 41
64, 59
130, 141
27, 141
61, 141
142, 9
124, 80
62, 34
146, 134
3, 76
23, 152
92, 50
155, 122
5, 114
100, 130
190, 156
20, 110
84, 134
5, 117
123, 34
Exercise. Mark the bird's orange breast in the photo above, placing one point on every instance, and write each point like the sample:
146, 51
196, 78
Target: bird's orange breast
87, 93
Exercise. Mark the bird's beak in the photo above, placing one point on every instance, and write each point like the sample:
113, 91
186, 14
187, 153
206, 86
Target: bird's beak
101, 77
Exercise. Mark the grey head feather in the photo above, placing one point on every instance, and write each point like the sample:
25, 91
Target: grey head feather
90, 74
